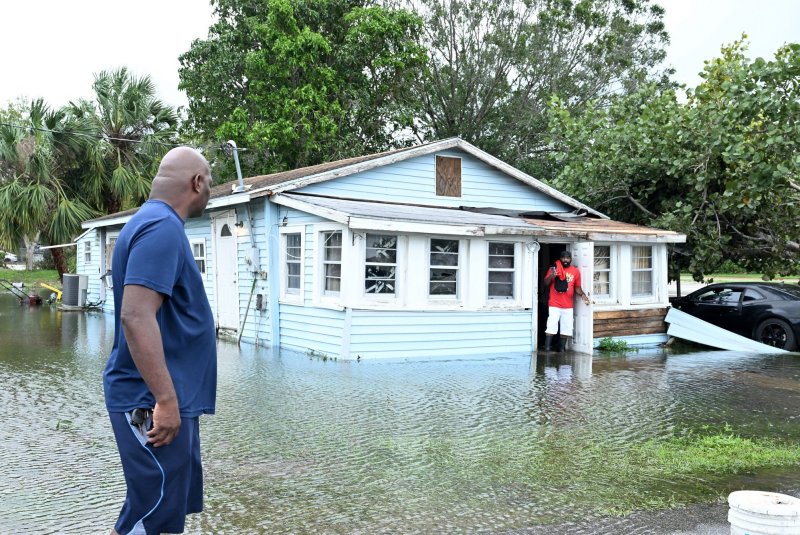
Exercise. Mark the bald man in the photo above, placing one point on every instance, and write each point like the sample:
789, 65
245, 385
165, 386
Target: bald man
162, 371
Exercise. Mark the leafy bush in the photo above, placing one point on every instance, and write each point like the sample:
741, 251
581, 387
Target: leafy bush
615, 346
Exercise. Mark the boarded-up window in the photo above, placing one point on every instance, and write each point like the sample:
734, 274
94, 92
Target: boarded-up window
448, 176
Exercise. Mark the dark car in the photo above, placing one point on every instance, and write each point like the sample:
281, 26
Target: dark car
766, 312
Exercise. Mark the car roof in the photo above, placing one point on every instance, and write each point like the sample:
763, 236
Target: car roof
791, 289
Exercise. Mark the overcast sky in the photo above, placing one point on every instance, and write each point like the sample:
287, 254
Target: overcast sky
52, 48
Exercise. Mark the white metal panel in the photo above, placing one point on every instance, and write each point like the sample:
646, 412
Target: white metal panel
583, 259
688, 327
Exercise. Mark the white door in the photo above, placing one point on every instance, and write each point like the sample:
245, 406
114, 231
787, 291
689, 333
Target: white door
583, 259
225, 264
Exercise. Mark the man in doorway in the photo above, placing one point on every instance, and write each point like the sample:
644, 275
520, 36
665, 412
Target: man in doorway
162, 371
564, 280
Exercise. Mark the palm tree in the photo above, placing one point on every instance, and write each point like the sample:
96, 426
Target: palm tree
38, 200
134, 129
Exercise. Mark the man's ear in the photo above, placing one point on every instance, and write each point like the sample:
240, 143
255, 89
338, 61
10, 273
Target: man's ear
197, 181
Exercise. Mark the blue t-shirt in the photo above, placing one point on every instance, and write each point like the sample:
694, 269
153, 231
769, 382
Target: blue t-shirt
152, 251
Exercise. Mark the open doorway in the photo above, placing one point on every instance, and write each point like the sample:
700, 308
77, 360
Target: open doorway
548, 254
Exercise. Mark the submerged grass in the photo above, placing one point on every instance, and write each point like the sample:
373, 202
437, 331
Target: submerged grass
598, 478
723, 452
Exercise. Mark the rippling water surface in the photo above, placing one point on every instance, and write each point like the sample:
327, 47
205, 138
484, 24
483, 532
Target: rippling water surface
300, 445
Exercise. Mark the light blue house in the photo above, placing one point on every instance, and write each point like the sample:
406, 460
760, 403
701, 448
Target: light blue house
435, 250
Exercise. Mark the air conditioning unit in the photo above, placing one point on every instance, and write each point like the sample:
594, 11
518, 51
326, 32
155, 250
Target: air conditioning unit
75, 289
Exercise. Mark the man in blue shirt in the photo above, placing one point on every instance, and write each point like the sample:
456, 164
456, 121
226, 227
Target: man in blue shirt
162, 371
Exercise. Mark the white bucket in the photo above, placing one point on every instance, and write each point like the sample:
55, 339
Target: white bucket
754, 512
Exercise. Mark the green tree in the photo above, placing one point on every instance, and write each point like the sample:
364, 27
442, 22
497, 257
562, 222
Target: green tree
302, 82
132, 130
721, 167
494, 65
61, 167
37, 198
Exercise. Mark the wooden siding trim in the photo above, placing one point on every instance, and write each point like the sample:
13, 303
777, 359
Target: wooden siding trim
616, 323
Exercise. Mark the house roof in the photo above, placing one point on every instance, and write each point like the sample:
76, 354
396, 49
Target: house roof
369, 215
397, 217
604, 230
257, 186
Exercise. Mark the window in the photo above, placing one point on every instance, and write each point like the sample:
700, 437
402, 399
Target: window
721, 296
501, 270
443, 268
641, 270
199, 254
293, 259
752, 295
602, 271
87, 252
332, 262
110, 243
448, 176
380, 264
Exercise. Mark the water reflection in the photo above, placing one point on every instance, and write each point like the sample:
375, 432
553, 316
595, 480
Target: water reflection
305, 446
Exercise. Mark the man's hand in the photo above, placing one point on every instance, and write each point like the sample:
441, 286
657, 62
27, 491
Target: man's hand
166, 423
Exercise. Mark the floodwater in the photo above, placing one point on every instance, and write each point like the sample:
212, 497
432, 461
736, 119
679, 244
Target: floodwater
300, 445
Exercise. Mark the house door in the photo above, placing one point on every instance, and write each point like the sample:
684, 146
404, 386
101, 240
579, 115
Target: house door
225, 263
583, 259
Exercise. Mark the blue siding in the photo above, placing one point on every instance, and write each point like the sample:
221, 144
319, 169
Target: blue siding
307, 328
640, 340
414, 181
93, 269
296, 217
256, 322
376, 334
200, 229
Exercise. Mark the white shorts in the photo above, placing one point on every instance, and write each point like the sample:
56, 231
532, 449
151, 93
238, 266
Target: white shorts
557, 315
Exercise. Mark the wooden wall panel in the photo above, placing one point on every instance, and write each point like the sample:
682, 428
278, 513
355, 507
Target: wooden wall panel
611, 323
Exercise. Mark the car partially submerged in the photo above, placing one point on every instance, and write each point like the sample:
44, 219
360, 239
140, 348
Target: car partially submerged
766, 312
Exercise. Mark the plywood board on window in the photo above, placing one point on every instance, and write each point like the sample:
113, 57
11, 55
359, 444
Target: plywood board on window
448, 176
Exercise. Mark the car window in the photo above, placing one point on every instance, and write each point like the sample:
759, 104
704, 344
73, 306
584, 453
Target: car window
752, 295
720, 296
729, 296
792, 290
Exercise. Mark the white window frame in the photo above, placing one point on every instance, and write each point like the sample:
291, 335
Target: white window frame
110, 237
321, 297
613, 275
87, 252
459, 268
204, 257
287, 296
517, 279
398, 286
649, 297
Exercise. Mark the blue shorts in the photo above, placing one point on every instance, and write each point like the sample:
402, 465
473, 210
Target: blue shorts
164, 484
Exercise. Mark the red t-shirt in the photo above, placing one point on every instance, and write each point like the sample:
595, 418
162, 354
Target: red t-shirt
564, 300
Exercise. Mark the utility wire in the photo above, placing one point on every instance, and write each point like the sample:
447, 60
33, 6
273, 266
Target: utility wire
109, 138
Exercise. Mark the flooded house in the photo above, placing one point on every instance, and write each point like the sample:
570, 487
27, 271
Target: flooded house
433, 250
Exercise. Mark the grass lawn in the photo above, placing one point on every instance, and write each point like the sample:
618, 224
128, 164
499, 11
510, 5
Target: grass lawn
31, 278
738, 277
